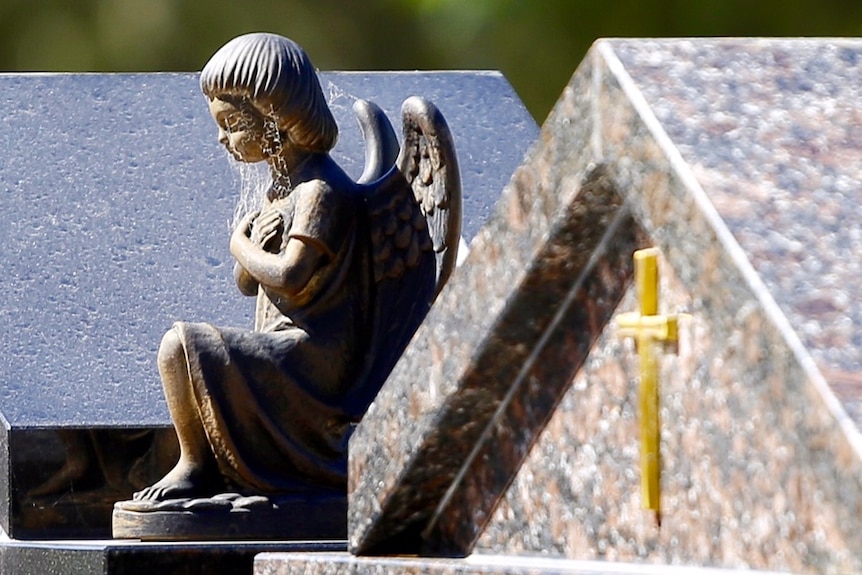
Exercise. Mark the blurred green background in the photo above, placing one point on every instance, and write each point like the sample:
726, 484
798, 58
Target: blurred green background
536, 43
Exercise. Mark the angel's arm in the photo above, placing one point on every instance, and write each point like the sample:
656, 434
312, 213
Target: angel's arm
247, 285
285, 273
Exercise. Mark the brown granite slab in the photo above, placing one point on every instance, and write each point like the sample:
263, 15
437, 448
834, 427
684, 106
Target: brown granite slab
772, 130
455, 420
737, 160
749, 196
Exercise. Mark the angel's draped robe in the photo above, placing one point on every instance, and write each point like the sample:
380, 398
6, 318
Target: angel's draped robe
275, 401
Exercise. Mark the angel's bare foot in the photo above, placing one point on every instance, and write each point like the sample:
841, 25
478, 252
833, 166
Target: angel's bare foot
184, 480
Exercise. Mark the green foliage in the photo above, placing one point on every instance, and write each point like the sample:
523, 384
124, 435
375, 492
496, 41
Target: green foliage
536, 43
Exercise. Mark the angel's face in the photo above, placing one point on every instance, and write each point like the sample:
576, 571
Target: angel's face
241, 131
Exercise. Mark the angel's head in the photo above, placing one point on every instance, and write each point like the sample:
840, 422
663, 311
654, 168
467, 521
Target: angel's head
270, 80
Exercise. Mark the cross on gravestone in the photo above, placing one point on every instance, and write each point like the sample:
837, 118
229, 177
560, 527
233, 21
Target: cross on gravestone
649, 328
116, 224
728, 148
763, 466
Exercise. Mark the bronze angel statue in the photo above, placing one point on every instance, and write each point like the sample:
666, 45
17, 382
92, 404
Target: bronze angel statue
343, 271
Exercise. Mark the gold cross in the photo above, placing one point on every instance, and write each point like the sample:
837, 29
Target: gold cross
648, 328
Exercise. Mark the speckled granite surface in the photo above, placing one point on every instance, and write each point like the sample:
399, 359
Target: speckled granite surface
772, 130
541, 281
736, 159
761, 465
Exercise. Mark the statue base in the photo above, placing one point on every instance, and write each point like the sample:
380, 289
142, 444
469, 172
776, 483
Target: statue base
231, 516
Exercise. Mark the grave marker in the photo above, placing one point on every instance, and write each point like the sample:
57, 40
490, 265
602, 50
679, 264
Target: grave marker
736, 158
649, 328
116, 199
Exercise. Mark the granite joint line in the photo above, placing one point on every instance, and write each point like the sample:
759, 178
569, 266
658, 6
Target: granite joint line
730, 245
621, 216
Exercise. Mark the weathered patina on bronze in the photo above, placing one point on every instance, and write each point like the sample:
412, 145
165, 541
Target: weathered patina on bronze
343, 271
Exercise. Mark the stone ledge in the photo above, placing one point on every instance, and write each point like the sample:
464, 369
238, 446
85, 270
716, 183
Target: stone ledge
344, 564
110, 557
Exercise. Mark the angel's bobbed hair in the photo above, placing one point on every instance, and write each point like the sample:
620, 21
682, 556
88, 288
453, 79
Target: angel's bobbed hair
275, 76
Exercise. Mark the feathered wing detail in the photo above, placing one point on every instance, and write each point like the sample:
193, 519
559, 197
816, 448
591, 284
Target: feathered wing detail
417, 206
414, 220
404, 274
399, 232
428, 161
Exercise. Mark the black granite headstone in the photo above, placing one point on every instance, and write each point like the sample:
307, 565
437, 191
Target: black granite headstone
116, 201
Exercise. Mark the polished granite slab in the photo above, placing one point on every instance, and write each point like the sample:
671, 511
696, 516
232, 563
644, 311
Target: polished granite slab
772, 130
541, 281
760, 458
109, 557
735, 158
117, 199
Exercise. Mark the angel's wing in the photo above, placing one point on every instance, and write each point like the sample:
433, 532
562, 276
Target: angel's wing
404, 273
417, 205
414, 220
429, 163
381, 143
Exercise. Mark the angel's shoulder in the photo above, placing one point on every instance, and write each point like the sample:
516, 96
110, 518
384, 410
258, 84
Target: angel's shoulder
324, 194
322, 207
315, 187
